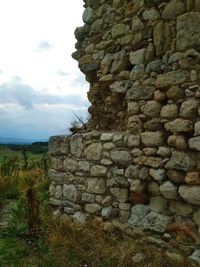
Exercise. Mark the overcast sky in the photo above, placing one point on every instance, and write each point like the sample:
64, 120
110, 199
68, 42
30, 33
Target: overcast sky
40, 84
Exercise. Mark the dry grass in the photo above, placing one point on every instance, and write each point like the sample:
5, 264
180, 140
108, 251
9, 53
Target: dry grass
91, 246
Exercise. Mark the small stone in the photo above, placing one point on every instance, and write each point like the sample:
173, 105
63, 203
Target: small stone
169, 111
140, 93
58, 192
133, 140
192, 178
108, 146
175, 93
150, 151
121, 194
177, 177
118, 30
151, 14
106, 137
83, 166
177, 141
158, 204
76, 145
169, 190
180, 208
152, 139
173, 9
137, 57
132, 172
159, 96
93, 208
181, 161
93, 151
57, 164
122, 157
179, 125
158, 174
144, 173
106, 212
153, 125
151, 109
194, 143
125, 206
137, 72
164, 151
171, 78
79, 217
154, 162
137, 186
52, 189
189, 108
197, 128
70, 192
87, 197
138, 212
156, 222
96, 185
98, 170
133, 108
190, 194
70, 165
153, 188
107, 201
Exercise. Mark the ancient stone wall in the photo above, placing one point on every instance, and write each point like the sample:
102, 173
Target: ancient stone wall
141, 167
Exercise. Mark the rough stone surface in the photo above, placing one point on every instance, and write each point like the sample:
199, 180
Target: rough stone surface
181, 161
156, 222
96, 185
152, 139
138, 212
190, 194
169, 190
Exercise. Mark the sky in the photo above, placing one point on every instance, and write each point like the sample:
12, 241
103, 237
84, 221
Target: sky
41, 86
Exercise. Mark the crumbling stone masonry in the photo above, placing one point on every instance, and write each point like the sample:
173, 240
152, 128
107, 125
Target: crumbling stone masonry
138, 163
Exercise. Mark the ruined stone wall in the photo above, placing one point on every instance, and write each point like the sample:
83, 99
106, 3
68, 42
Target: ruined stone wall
141, 167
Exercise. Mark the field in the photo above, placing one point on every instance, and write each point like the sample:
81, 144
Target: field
31, 236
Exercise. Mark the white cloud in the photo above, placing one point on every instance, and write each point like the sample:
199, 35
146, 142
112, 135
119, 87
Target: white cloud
39, 86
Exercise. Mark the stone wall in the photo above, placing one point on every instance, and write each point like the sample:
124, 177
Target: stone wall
115, 177
141, 59
139, 161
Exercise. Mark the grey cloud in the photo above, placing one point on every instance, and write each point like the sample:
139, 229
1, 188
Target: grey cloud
44, 46
30, 122
35, 124
24, 95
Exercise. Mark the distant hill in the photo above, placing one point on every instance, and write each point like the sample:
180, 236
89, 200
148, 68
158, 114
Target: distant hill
17, 141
